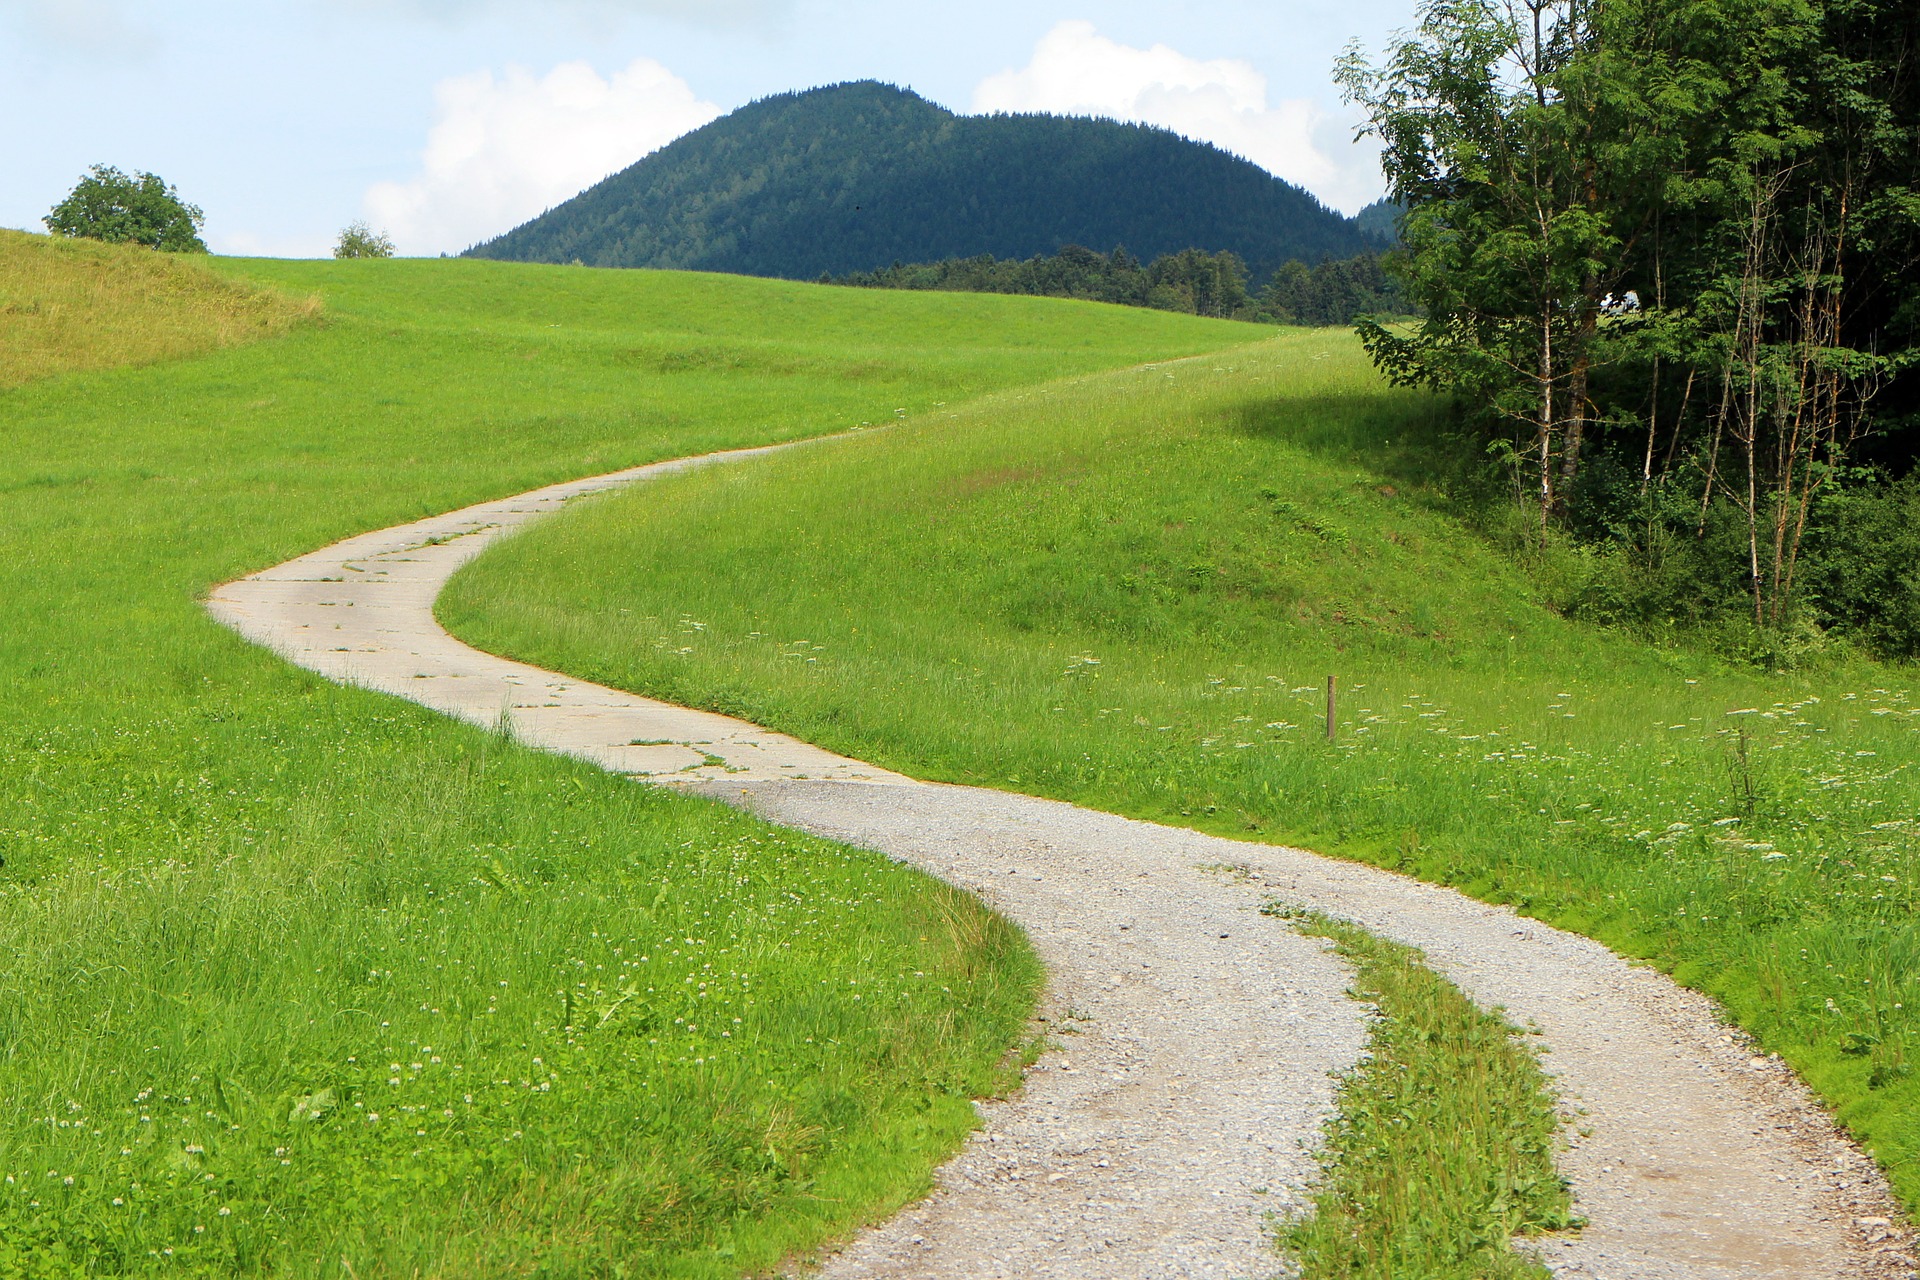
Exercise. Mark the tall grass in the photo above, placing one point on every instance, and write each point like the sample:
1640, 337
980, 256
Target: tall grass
72, 305
549, 1023
1128, 590
243, 912
1441, 1151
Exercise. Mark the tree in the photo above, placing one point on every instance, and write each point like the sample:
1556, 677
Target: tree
1198, 283
1487, 128
358, 240
122, 208
1336, 292
1682, 235
1782, 205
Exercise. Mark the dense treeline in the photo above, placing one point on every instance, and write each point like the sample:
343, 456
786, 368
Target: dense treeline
1194, 281
1667, 253
1338, 291
849, 177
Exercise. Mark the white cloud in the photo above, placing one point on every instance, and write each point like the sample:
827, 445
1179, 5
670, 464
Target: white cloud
1077, 71
503, 149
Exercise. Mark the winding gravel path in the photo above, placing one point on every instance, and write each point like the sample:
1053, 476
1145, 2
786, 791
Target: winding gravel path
1198, 1035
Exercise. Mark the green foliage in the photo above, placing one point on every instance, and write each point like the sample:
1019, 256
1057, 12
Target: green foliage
1671, 570
1191, 281
1381, 220
121, 208
856, 176
1502, 244
1863, 575
231, 888
1679, 244
1336, 292
1441, 1152
358, 240
1220, 534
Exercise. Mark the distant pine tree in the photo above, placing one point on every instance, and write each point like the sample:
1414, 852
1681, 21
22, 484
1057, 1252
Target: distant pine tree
1193, 281
1332, 293
1381, 221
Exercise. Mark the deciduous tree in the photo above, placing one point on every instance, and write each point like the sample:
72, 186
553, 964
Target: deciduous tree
358, 240
137, 208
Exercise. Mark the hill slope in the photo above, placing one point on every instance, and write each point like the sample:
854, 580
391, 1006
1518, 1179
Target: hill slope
69, 305
1128, 591
270, 883
857, 176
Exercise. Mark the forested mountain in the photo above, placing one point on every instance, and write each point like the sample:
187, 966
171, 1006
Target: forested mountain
1381, 220
858, 176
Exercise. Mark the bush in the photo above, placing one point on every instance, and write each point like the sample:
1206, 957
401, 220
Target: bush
1658, 568
122, 208
1863, 566
358, 240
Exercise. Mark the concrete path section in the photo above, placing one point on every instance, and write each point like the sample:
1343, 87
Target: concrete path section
361, 612
1198, 1038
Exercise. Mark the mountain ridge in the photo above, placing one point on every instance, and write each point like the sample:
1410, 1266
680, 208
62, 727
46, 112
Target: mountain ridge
856, 176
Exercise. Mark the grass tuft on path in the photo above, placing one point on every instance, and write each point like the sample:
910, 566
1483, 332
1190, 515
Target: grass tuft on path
1127, 591
1441, 1150
72, 305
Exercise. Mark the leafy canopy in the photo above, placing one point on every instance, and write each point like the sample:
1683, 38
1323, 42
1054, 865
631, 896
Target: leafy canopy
358, 240
1666, 254
121, 208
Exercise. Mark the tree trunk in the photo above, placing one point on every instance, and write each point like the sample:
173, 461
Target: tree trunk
1544, 440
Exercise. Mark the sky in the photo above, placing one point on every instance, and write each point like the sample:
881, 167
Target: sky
445, 122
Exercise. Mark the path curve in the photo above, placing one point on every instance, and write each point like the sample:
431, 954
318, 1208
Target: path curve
1199, 1036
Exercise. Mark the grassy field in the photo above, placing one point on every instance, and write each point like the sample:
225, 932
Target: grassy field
1128, 591
71, 305
304, 980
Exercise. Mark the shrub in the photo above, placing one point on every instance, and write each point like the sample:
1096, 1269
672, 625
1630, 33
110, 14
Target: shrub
1863, 570
121, 208
358, 240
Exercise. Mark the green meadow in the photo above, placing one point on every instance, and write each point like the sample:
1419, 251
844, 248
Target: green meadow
1128, 589
302, 980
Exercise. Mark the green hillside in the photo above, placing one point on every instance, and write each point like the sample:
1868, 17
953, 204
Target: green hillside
859, 176
284, 962
1128, 591
72, 305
